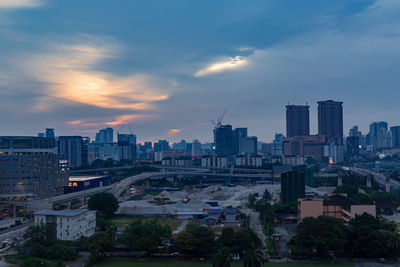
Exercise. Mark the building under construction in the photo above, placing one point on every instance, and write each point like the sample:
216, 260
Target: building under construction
29, 168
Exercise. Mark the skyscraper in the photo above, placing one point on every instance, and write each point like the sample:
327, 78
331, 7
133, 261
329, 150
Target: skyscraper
297, 120
71, 148
127, 146
378, 135
239, 134
395, 131
105, 136
50, 133
223, 140
330, 121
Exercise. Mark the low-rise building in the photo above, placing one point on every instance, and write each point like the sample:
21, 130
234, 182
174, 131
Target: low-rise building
248, 160
69, 224
337, 205
214, 161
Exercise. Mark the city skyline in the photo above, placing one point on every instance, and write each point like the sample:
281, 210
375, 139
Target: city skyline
63, 68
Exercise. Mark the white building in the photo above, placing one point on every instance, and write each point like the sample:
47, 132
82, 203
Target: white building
249, 160
214, 161
196, 149
69, 224
293, 160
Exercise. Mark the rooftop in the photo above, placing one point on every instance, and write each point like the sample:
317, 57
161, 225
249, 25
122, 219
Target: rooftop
65, 213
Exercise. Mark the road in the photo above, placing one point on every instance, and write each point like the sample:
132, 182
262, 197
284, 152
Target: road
256, 225
379, 178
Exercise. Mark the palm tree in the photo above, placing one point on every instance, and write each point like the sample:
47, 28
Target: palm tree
222, 258
253, 258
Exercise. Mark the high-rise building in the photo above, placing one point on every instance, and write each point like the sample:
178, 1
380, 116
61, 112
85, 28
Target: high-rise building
161, 145
277, 145
297, 120
249, 145
330, 121
196, 149
292, 186
239, 134
181, 146
395, 132
105, 136
71, 148
223, 140
29, 167
85, 150
50, 133
378, 135
127, 146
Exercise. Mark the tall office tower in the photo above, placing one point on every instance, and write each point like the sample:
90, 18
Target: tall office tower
378, 135
354, 131
161, 145
249, 145
277, 145
85, 150
395, 132
50, 133
181, 146
293, 186
297, 120
30, 168
196, 149
127, 146
239, 134
330, 121
223, 140
71, 148
105, 136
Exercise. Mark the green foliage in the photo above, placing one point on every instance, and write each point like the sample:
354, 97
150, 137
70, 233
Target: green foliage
146, 235
369, 237
103, 202
196, 240
100, 243
60, 251
41, 234
222, 258
316, 237
33, 262
227, 237
252, 200
364, 237
252, 258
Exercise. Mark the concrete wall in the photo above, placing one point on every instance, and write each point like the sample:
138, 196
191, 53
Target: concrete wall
310, 208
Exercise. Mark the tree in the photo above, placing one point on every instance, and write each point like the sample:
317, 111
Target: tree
253, 258
146, 236
246, 239
222, 258
42, 234
100, 243
196, 240
317, 237
227, 237
106, 203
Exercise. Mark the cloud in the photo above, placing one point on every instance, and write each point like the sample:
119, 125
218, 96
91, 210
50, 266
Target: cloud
174, 131
68, 75
124, 119
220, 66
19, 3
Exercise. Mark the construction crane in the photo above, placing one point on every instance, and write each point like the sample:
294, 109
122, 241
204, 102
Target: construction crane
219, 120
229, 177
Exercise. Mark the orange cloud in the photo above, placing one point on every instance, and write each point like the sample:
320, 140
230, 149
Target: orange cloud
74, 122
174, 131
69, 77
123, 119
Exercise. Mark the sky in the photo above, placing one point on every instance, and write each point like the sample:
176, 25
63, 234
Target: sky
164, 68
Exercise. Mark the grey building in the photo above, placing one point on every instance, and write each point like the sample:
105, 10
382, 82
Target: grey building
30, 167
127, 146
223, 140
71, 147
239, 134
161, 145
378, 135
105, 136
297, 120
395, 132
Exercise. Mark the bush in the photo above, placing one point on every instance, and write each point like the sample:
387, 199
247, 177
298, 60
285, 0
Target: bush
62, 252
